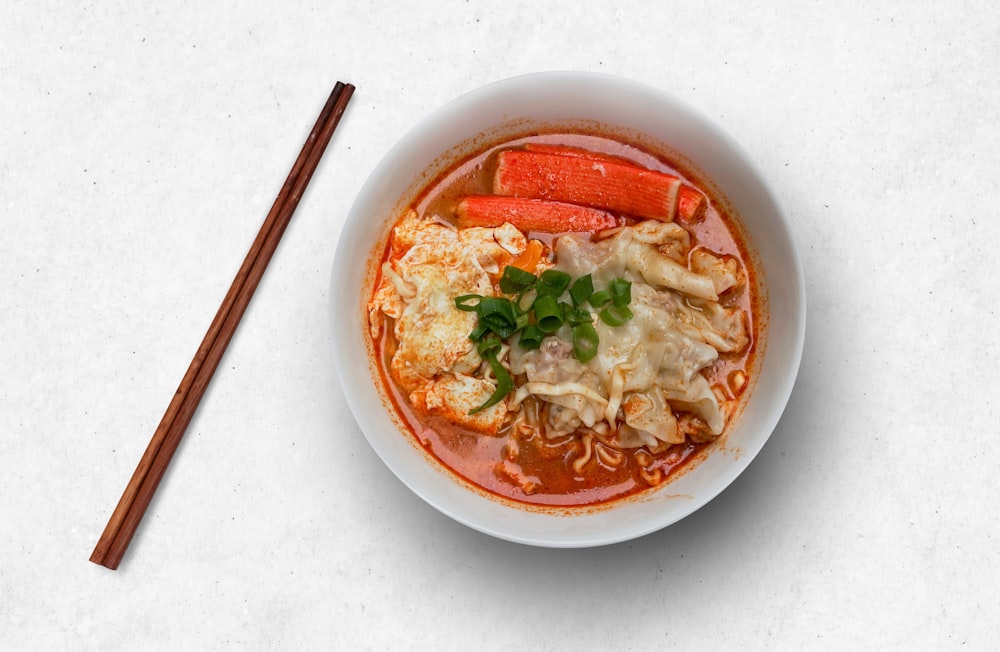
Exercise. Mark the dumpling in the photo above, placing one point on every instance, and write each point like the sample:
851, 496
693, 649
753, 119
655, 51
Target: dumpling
724, 271
647, 367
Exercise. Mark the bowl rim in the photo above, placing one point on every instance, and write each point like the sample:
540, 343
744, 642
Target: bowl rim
471, 510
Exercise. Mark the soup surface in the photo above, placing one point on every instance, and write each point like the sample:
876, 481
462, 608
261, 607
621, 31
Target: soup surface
565, 319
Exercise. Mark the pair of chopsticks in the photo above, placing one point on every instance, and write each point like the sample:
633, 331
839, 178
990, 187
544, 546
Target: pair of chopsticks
139, 492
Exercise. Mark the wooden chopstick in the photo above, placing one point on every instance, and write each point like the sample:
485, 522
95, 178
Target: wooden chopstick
139, 492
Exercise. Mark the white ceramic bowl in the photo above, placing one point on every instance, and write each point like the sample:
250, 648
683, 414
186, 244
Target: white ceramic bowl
512, 106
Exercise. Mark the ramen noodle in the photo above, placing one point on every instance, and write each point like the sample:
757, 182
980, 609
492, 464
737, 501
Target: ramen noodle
565, 319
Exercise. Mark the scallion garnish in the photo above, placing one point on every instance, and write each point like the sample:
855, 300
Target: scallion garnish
578, 316
616, 315
581, 290
489, 344
585, 342
553, 281
468, 302
504, 382
499, 314
531, 337
548, 314
479, 331
515, 279
536, 312
600, 298
621, 292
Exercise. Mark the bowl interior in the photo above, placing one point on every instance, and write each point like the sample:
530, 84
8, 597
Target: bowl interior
512, 107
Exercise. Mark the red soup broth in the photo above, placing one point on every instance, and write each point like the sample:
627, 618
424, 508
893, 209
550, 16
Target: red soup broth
503, 465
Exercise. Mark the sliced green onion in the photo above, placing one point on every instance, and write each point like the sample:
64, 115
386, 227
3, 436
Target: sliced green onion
621, 292
579, 316
585, 342
553, 282
536, 312
531, 337
499, 314
497, 306
468, 302
524, 300
479, 331
502, 328
489, 344
600, 298
581, 290
504, 382
515, 279
548, 314
616, 315
521, 321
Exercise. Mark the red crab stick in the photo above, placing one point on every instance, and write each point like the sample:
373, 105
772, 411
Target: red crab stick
691, 203
531, 214
599, 180
579, 152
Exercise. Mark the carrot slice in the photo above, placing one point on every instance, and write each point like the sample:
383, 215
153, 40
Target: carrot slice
689, 202
529, 258
531, 214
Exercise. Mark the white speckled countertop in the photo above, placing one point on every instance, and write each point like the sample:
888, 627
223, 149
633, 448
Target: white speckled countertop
140, 149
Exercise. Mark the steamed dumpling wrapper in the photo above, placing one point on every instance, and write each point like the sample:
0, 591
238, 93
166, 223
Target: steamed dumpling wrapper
649, 364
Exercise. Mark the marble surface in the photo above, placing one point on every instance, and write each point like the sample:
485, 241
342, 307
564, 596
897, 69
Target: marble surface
141, 147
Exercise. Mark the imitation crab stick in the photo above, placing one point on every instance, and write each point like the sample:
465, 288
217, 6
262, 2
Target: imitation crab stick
690, 202
599, 180
579, 152
531, 214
